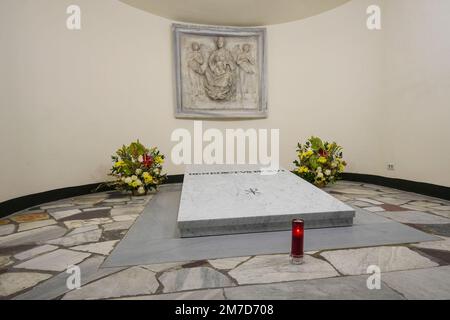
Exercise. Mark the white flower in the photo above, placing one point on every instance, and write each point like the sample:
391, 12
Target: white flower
319, 169
138, 171
123, 179
320, 175
139, 182
141, 190
128, 180
140, 158
334, 164
133, 177
327, 172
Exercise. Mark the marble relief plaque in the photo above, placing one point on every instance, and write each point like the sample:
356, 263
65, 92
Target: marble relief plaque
219, 72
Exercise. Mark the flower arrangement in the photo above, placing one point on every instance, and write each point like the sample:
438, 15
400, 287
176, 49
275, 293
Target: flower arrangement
137, 168
319, 162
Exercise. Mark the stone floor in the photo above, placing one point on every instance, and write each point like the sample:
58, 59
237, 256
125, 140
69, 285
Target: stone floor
37, 246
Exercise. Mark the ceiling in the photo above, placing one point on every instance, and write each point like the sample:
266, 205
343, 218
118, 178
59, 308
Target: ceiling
235, 12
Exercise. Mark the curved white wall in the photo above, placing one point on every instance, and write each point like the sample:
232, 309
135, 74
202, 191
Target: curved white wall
416, 89
70, 98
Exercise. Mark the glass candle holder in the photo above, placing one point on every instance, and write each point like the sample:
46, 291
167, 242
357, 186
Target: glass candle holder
297, 241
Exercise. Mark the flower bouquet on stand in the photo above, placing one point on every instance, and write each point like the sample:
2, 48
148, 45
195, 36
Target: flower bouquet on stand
137, 168
319, 162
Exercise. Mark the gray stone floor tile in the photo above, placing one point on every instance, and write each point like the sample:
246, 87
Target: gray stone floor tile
32, 236
86, 215
72, 224
431, 283
14, 282
277, 268
57, 260
414, 217
445, 214
158, 267
5, 261
56, 286
374, 209
126, 210
36, 224
64, 213
227, 263
77, 239
126, 217
437, 229
340, 288
97, 208
7, 229
359, 192
56, 205
443, 244
209, 294
83, 229
370, 201
120, 225
359, 204
356, 261
390, 200
130, 282
103, 248
35, 251
193, 278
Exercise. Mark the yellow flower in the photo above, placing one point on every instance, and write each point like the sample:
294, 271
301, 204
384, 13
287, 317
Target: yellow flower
306, 154
148, 179
119, 163
303, 169
134, 184
322, 160
159, 159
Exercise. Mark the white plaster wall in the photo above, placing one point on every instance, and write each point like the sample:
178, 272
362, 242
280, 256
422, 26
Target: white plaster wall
69, 98
416, 90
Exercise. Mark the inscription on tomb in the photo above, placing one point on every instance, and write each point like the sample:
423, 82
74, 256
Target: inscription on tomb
235, 172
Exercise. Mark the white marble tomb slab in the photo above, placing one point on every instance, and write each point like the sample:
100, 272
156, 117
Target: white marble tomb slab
228, 199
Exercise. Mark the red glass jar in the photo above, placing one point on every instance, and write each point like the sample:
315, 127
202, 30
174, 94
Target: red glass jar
297, 241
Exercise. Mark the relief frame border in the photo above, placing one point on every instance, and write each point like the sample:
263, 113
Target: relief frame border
260, 33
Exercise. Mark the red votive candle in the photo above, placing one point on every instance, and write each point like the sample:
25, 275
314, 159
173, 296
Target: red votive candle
297, 241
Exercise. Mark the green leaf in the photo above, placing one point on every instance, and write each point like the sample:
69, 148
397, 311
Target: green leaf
313, 162
316, 143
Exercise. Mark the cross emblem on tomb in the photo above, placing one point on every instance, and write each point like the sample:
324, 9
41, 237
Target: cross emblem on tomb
253, 191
